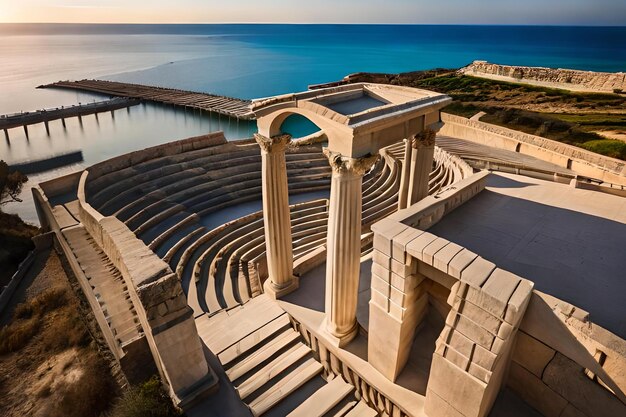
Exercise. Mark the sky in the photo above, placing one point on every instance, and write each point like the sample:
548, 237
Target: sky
504, 12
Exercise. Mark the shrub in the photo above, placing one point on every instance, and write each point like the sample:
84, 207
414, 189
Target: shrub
608, 147
146, 400
17, 334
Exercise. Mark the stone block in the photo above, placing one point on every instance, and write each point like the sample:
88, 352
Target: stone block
443, 257
470, 329
456, 357
406, 284
380, 300
484, 358
400, 242
518, 302
456, 387
477, 272
533, 391
381, 272
381, 259
380, 285
479, 372
458, 341
567, 379
389, 342
486, 320
500, 286
417, 245
384, 232
460, 261
403, 269
435, 406
429, 251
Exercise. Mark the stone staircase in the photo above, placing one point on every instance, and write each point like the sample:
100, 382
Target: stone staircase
274, 372
107, 284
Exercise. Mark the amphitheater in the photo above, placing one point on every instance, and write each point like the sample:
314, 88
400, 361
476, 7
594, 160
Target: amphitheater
367, 270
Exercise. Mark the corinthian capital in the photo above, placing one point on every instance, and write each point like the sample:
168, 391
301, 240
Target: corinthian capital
344, 165
423, 139
275, 143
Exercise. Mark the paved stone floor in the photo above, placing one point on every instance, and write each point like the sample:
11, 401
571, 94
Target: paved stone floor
569, 241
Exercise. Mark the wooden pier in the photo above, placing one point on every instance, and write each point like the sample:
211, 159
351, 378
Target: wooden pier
228, 106
9, 121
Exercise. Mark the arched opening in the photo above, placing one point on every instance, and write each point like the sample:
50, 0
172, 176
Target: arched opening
298, 126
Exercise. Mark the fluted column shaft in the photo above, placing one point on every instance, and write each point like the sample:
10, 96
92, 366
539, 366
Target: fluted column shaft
403, 194
276, 216
344, 244
422, 154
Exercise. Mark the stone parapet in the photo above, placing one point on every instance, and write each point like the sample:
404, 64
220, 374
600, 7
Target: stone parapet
585, 163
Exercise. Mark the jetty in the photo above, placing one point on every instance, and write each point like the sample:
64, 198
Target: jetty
24, 119
227, 106
46, 164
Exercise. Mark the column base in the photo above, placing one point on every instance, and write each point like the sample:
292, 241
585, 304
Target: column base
342, 339
278, 291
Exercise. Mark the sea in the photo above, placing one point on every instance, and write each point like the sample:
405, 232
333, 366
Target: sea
245, 61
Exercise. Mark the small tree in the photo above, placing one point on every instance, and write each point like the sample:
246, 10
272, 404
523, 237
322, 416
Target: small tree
11, 184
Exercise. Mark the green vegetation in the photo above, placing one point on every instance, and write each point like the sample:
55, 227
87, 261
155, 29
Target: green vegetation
146, 400
609, 147
11, 183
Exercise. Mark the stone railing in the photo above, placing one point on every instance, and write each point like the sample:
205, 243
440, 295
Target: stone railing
585, 163
369, 386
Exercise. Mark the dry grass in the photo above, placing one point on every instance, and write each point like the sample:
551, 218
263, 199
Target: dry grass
146, 400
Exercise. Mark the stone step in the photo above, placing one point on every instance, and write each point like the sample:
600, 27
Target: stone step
285, 386
362, 410
262, 354
270, 371
324, 399
230, 355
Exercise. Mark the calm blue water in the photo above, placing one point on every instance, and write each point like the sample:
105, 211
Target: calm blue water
247, 61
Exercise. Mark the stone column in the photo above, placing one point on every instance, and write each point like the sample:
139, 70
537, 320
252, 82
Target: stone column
403, 193
344, 244
276, 217
421, 165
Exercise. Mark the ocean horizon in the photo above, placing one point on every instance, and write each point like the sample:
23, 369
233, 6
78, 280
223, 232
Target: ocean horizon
245, 61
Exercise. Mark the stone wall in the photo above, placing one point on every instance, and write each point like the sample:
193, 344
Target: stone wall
498, 330
583, 162
564, 365
567, 79
159, 301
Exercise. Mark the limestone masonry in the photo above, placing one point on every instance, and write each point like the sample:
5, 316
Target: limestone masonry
405, 263
549, 77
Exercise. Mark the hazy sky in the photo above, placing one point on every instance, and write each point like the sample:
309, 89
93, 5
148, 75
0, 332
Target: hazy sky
535, 12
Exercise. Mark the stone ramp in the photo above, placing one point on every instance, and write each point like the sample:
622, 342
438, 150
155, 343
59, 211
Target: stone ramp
273, 371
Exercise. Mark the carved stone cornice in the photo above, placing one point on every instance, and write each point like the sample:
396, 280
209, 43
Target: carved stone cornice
273, 144
343, 165
426, 138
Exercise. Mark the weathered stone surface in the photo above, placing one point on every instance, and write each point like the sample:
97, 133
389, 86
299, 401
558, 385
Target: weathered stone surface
567, 379
532, 354
532, 390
